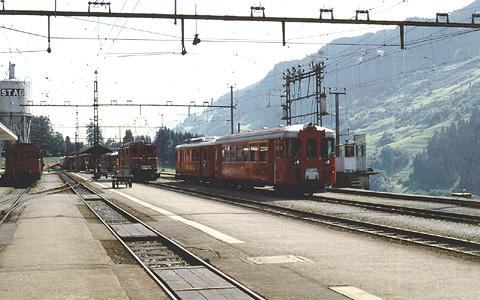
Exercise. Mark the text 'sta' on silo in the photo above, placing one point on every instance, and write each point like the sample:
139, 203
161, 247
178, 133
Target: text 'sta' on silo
13, 94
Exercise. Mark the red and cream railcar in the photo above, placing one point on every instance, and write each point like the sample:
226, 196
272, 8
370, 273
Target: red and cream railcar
141, 158
300, 157
195, 159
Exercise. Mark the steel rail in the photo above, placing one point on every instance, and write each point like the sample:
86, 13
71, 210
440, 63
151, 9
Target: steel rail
5, 214
417, 212
445, 200
191, 258
451, 244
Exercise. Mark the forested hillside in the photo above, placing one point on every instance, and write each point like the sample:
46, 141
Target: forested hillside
399, 98
451, 159
166, 140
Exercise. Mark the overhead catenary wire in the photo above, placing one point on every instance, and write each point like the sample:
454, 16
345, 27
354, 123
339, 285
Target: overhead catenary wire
374, 46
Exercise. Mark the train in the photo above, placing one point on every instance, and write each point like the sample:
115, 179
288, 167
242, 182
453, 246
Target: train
297, 158
23, 163
107, 162
81, 162
140, 157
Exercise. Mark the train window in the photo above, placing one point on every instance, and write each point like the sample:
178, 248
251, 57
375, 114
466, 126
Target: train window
245, 153
32, 155
349, 151
232, 153
253, 152
197, 155
361, 150
149, 150
263, 151
134, 150
239, 153
12, 155
188, 156
311, 148
328, 148
204, 151
291, 148
227, 154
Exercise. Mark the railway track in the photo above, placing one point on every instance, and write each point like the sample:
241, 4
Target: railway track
409, 197
402, 210
451, 244
396, 209
11, 201
179, 272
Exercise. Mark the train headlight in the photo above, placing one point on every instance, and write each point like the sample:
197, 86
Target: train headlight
296, 162
327, 162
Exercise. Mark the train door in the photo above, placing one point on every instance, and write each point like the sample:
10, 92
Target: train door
200, 160
277, 162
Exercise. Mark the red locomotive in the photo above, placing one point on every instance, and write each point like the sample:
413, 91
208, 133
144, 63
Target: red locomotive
297, 157
141, 158
23, 163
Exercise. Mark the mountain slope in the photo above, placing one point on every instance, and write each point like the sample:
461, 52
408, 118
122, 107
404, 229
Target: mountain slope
398, 97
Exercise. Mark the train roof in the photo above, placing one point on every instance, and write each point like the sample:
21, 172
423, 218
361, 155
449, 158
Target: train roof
22, 145
198, 141
291, 131
91, 150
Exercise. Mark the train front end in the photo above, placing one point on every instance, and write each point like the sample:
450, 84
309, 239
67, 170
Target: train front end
306, 162
23, 163
143, 161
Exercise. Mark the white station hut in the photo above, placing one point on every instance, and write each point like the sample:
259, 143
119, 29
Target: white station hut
351, 164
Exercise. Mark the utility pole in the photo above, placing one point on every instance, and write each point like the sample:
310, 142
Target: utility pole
295, 94
337, 114
76, 141
96, 154
231, 109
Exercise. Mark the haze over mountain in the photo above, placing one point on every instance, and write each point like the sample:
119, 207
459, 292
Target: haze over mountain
399, 98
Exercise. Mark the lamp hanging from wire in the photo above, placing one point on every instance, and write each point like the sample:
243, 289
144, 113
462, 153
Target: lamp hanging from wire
196, 39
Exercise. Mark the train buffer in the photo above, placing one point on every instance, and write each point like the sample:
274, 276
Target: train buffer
122, 175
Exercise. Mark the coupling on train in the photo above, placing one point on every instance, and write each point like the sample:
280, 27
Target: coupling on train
139, 157
297, 158
23, 163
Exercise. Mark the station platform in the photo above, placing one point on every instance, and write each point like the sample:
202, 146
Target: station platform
53, 247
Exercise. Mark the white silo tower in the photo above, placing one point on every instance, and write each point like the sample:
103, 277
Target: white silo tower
13, 94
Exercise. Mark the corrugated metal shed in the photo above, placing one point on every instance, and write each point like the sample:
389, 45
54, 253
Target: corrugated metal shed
91, 150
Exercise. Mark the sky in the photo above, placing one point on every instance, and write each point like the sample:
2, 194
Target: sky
139, 61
